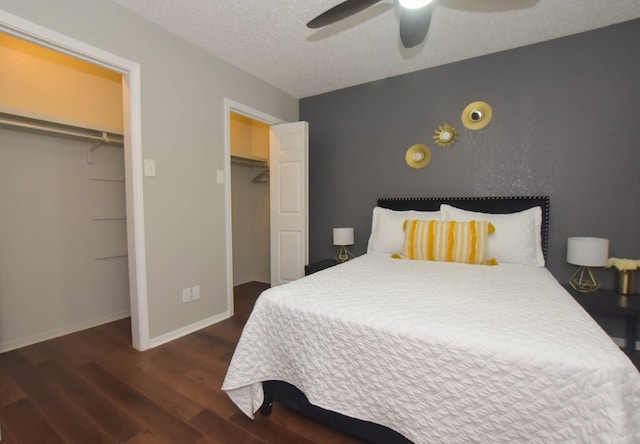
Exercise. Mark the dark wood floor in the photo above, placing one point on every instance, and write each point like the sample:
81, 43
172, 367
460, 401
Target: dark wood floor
92, 387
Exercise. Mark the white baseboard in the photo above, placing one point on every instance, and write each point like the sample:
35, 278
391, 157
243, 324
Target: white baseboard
65, 330
241, 281
175, 334
254, 278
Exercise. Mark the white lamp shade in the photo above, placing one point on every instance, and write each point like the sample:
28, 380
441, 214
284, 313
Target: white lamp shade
588, 251
343, 236
414, 4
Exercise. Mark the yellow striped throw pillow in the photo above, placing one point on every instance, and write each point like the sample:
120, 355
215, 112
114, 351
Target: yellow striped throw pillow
447, 241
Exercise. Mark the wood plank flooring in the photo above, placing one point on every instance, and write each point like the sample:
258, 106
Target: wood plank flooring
92, 387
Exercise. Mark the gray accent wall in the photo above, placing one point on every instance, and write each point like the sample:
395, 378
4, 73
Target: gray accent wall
565, 124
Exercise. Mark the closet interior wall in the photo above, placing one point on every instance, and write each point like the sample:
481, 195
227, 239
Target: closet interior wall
63, 261
249, 140
63, 241
250, 215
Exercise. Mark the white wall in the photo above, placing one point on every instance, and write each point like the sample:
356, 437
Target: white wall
63, 263
183, 89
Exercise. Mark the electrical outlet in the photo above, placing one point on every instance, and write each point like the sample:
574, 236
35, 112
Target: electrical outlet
195, 293
186, 295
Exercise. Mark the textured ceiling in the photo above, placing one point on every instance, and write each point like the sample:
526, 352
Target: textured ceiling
268, 38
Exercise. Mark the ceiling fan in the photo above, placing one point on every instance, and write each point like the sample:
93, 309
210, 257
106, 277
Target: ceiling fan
415, 17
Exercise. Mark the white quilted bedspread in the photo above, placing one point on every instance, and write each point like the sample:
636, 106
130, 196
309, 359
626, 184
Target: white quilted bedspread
441, 353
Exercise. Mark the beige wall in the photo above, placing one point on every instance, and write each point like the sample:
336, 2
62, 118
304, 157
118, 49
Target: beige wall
183, 91
44, 84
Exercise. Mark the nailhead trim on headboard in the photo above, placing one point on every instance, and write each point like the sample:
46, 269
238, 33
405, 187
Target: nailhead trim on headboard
491, 204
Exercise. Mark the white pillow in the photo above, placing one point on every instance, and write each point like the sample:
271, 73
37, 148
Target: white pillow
387, 235
517, 239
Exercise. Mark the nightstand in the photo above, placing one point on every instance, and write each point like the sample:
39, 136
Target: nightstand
608, 302
319, 265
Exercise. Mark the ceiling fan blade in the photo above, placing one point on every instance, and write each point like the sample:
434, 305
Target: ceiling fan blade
340, 11
414, 24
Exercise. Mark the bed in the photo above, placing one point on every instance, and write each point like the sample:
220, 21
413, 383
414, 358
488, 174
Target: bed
423, 351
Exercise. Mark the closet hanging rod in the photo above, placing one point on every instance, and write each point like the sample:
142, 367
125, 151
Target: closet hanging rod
34, 126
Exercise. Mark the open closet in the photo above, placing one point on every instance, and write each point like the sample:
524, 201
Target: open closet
63, 261
249, 143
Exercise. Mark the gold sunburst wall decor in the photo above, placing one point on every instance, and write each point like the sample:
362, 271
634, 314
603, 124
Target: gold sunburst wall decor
476, 115
418, 156
445, 135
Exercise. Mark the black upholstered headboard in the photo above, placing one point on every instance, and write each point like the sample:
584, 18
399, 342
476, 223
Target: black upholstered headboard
502, 204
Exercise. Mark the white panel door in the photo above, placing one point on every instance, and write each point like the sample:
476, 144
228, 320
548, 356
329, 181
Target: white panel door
289, 196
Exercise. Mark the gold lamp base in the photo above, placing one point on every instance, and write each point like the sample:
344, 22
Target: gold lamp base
584, 281
343, 255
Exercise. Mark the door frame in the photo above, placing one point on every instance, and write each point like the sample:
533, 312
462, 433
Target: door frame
252, 113
131, 92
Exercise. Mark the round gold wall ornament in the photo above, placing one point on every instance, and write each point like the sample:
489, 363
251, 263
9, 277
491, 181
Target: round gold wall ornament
418, 156
477, 115
445, 135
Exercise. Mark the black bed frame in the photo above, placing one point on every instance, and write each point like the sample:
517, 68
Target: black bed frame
289, 396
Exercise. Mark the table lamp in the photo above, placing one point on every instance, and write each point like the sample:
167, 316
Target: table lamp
343, 237
586, 252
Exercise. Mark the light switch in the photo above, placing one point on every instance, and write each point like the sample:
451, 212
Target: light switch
220, 176
149, 167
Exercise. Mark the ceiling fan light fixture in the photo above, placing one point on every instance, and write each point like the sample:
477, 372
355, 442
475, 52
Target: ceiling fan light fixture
414, 4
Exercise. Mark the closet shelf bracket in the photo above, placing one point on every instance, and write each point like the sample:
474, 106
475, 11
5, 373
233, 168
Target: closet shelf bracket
95, 146
105, 139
